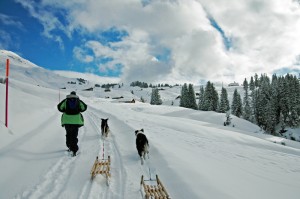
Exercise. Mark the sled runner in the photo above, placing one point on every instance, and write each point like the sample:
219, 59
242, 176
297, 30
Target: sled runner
153, 189
101, 167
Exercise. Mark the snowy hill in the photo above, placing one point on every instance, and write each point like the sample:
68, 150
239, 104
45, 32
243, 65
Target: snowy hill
194, 155
15, 60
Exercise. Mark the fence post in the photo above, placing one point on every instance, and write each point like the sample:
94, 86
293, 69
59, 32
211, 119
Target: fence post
6, 101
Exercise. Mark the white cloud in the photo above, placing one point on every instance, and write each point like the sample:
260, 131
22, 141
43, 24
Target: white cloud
10, 21
264, 33
47, 17
5, 40
82, 56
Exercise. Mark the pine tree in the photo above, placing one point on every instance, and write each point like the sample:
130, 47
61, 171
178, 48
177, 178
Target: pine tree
263, 110
224, 102
211, 98
215, 102
188, 98
191, 99
256, 81
201, 98
251, 84
236, 105
184, 96
155, 97
207, 97
239, 110
293, 100
273, 107
246, 104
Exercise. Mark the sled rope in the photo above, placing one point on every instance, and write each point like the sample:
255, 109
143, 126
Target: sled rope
103, 151
101, 166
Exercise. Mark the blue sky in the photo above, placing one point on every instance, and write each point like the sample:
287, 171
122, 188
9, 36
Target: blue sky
153, 41
26, 39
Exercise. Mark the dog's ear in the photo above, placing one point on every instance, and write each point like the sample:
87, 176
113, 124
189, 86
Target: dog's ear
107, 119
102, 119
136, 132
142, 130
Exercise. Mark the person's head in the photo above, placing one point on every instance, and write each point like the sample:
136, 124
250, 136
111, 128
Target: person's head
72, 95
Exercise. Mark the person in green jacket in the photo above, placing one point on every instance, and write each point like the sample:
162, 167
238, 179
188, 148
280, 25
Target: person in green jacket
72, 119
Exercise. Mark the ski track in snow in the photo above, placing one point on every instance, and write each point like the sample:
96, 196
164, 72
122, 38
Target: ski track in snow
55, 182
97, 187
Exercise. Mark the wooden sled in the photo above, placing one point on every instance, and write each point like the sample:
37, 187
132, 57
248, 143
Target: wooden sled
154, 189
101, 167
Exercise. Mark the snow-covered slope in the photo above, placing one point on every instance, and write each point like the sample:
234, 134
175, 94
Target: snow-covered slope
194, 155
27, 72
15, 60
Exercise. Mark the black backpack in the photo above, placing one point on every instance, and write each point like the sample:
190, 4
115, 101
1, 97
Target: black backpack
72, 106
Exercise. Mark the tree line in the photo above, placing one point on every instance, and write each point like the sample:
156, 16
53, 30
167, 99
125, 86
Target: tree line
145, 85
265, 102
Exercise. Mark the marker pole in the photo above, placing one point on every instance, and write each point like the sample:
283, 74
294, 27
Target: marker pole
6, 101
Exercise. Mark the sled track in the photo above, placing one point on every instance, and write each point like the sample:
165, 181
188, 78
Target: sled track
117, 182
54, 182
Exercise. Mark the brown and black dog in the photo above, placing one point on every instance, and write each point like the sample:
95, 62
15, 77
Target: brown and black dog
142, 144
104, 127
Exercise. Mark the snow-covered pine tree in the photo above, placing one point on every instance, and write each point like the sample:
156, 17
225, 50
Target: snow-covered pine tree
236, 105
155, 97
201, 98
184, 96
210, 98
273, 107
283, 98
215, 102
207, 97
224, 102
251, 84
191, 100
262, 102
256, 81
234, 102
246, 105
254, 95
293, 100
239, 110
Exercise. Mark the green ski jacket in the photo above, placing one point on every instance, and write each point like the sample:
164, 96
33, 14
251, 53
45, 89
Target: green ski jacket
75, 117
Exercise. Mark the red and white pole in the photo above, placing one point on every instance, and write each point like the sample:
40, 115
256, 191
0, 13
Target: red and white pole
6, 101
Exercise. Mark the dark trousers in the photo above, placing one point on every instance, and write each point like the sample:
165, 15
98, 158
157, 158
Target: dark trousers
71, 137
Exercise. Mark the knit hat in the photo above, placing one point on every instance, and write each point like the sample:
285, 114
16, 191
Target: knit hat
73, 93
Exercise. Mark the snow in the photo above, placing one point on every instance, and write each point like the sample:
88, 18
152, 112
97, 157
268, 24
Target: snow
193, 154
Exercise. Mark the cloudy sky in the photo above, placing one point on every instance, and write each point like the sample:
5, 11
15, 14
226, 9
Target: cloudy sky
156, 40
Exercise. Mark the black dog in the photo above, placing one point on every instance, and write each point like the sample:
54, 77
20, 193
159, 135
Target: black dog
104, 127
142, 144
